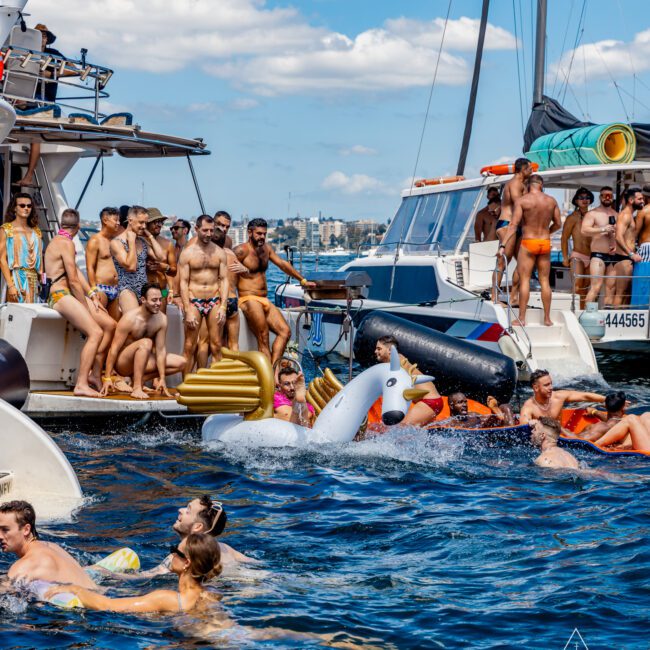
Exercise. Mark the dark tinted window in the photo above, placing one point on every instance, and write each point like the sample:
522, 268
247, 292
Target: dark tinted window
412, 284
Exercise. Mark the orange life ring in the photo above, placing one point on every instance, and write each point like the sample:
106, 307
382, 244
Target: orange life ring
501, 170
442, 180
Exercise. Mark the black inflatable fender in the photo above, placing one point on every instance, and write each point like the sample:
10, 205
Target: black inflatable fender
455, 364
14, 375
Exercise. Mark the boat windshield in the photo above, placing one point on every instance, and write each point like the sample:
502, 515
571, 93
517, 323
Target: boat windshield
430, 222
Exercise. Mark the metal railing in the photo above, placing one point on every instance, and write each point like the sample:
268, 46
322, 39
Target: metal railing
610, 278
90, 88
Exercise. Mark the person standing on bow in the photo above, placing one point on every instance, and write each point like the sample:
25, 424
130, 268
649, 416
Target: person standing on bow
21, 250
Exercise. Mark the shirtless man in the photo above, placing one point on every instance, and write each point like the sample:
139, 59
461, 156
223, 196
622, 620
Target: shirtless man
641, 280
615, 404
222, 221
546, 402
539, 216
201, 515
68, 296
426, 409
461, 417
235, 268
204, 290
161, 272
545, 432
626, 231
600, 225
579, 258
632, 432
180, 234
139, 347
36, 560
130, 252
485, 224
261, 315
99, 263
514, 189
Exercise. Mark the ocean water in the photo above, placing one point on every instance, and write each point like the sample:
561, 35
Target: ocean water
405, 541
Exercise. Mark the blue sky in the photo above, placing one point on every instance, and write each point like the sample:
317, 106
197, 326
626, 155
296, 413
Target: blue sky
319, 106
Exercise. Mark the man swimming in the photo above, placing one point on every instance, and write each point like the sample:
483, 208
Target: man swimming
139, 347
545, 432
546, 402
423, 411
513, 189
290, 398
99, 262
204, 290
261, 315
539, 216
36, 560
462, 418
201, 515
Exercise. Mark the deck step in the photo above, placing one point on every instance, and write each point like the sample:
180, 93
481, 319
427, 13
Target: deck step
6, 484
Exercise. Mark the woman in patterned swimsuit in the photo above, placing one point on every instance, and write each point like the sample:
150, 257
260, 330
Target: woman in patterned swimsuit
21, 250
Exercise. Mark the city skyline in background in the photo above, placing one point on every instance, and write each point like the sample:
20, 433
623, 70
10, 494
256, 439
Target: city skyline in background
318, 107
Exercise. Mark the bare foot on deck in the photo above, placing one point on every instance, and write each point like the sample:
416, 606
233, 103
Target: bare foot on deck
95, 381
85, 391
548, 322
137, 393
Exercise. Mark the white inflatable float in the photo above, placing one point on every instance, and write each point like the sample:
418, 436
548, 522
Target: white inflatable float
340, 418
33, 468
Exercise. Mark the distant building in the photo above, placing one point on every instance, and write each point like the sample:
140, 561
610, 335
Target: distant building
327, 229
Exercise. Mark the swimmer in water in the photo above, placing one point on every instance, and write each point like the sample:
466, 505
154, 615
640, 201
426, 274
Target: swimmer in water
195, 560
545, 433
461, 417
37, 560
202, 515
547, 402
615, 404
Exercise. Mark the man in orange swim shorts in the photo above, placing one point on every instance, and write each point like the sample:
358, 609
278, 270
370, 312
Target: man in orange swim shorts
261, 314
539, 216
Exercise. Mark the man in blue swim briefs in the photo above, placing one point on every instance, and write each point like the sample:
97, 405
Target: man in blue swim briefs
37, 560
99, 261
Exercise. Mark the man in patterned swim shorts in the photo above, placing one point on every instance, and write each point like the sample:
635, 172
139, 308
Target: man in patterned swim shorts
204, 290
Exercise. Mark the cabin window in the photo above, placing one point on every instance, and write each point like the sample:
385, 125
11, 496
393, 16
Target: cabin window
411, 284
430, 222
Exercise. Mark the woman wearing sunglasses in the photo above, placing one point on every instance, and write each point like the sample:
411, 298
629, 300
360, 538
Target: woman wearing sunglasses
195, 560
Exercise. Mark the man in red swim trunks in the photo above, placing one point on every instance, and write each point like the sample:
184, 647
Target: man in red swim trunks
423, 411
539, 216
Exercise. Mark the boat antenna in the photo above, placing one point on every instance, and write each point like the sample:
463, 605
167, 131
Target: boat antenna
540, 53
469, 119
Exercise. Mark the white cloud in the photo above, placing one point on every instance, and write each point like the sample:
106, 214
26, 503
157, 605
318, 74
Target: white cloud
604, 58
354, 184
269, 51
358, 150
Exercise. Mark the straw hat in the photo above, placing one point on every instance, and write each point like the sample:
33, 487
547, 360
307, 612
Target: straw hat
49, 35
155, 215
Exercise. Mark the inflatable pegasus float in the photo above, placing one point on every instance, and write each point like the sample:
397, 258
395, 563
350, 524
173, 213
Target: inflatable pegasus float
244, 383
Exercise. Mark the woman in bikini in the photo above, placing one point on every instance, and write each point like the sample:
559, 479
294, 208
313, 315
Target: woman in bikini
195, 560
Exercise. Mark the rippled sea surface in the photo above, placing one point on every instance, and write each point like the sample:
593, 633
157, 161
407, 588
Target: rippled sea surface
407, 541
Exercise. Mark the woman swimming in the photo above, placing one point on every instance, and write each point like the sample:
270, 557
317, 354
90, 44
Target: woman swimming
195, 560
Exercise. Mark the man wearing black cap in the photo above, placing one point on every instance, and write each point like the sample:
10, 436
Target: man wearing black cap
579, 258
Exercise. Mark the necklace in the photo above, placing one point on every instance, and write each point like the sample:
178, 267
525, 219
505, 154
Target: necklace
544, 408
65, 233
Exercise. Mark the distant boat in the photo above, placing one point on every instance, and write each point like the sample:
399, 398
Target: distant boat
338, 251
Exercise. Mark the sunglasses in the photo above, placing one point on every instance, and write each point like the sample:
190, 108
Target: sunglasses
607, 196
174, 550
23, 205
583, 198
177, 227
217, 506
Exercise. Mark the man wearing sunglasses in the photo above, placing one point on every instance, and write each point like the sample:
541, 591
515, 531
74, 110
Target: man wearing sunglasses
201, 515
626, 230
579, 258
600, 225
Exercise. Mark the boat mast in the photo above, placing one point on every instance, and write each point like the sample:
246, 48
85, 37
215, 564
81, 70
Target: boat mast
540, 53
469, 119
